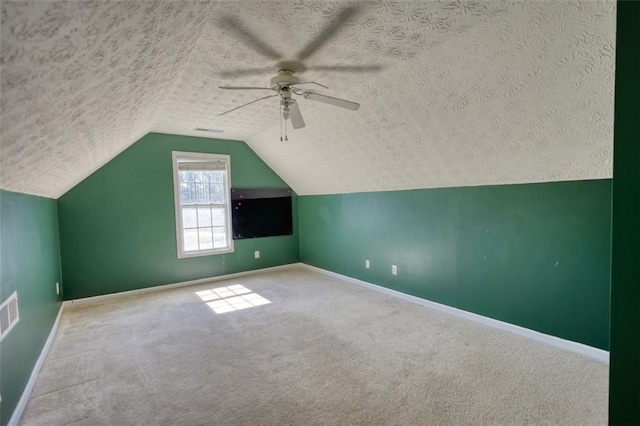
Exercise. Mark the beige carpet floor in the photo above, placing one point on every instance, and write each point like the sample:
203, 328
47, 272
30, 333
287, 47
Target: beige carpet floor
322, 352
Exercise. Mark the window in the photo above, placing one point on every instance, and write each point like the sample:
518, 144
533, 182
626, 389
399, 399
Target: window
201, 185
8, 314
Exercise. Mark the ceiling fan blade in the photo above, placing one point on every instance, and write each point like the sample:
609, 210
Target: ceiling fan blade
329, 31
244, 88
248, 103
295, 115
346, 68
242, 32
243, 72
353, 106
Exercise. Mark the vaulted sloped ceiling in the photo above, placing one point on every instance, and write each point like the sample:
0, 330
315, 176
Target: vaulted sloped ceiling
469, 92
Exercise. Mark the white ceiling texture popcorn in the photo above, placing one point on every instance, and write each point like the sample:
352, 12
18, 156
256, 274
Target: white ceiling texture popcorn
468, 92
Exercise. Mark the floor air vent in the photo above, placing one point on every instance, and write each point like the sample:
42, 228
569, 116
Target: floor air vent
8, 314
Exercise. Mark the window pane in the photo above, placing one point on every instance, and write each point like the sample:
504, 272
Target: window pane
189, 217
190, 239
206, 239
209, 176
219, 237
186, 176
219, 217
204, 216
202, 193
216, 177
187, 193
217, 193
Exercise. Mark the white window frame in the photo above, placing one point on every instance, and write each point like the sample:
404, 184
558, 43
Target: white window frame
178, 210
6, 306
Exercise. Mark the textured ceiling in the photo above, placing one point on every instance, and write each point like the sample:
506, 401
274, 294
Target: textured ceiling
470, 93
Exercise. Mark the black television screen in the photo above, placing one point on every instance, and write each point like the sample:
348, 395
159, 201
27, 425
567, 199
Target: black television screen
261, 212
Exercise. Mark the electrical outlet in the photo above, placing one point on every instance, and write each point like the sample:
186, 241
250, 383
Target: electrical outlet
57, 288
257, 254
367, 264
394, 269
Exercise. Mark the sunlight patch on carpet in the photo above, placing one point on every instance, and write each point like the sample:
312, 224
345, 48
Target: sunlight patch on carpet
231, 298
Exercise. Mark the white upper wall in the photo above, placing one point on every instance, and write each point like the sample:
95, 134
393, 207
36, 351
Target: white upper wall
471, 93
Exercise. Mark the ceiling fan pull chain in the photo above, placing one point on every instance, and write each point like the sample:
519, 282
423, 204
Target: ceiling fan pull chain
280, 118
286, 137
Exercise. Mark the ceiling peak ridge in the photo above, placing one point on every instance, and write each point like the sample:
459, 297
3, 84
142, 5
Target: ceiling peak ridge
162, 109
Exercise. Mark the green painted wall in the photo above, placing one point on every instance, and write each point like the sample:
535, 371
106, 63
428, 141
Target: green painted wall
30, 264
533, 255
117, 227
624, 377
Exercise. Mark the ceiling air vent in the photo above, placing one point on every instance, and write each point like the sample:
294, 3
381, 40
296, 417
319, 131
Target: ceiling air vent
202, 129
8, 314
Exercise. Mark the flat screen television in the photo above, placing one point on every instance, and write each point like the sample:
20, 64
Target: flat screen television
261, 212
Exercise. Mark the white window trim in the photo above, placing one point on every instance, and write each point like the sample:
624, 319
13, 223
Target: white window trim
5, 305
176, 200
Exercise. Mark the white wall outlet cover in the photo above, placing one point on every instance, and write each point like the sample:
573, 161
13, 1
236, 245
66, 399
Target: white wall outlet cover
257, 254
394, 269
57, 288
367, 264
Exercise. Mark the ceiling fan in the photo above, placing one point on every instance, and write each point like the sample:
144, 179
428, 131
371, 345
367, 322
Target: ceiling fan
286, 84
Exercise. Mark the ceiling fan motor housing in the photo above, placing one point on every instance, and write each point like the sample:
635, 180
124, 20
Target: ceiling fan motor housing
284, 78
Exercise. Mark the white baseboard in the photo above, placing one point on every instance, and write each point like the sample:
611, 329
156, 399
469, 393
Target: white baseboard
129, 293
580, 348
26, 393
